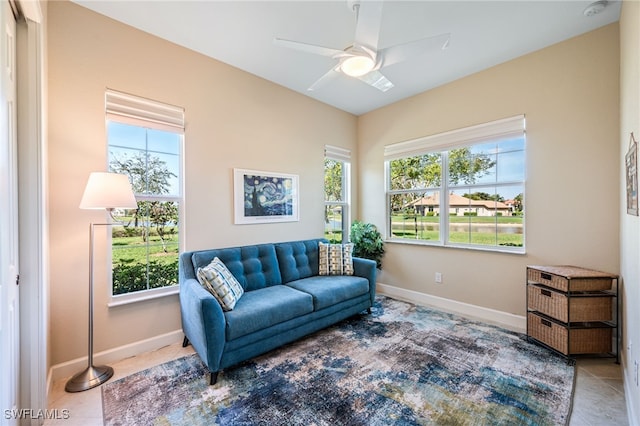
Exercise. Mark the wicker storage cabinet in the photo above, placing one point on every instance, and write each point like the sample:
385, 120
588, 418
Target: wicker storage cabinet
572, 310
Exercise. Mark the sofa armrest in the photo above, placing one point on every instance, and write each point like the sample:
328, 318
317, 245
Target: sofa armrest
203, 322
366, 268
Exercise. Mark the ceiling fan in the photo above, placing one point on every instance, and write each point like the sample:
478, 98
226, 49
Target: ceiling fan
363, 60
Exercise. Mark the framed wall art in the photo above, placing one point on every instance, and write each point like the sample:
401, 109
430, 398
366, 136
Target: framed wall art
631, 162
264, 197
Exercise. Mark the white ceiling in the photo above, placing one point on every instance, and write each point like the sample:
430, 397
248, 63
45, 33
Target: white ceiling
241, 33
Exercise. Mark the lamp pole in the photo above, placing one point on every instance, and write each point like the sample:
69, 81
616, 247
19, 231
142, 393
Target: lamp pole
91, 376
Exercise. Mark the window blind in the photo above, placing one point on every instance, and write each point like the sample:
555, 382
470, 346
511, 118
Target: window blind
143, 112
337, 153
506, 128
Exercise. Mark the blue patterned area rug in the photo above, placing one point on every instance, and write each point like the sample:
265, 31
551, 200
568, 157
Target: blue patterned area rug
402, 365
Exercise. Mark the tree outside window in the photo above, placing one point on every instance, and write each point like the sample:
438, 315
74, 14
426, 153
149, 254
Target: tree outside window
336, 196
146, 243
470, 195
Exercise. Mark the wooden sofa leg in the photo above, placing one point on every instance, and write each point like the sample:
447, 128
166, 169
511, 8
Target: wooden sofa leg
214, 378
185, 342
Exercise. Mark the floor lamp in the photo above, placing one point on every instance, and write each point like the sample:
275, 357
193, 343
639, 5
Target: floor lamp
103, 191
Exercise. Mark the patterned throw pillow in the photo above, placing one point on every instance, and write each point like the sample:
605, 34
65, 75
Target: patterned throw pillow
335, 259
218, 280
347, 259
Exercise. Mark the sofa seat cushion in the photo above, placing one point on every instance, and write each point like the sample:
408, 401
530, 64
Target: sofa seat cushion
329, 290
262, 308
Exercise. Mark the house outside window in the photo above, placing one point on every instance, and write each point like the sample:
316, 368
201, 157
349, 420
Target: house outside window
337, 181
463, 188
145, 140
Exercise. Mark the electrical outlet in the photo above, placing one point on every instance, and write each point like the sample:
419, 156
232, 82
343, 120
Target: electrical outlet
438, 278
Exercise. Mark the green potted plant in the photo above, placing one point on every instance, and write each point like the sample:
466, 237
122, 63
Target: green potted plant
367, 242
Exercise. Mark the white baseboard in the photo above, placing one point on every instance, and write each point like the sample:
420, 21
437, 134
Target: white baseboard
111, 356
503, 319
628, 392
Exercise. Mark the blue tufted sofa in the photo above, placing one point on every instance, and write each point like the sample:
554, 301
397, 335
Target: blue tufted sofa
284, 299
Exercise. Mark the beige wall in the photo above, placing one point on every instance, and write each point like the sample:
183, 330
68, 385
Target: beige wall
569, 94
233, 119
630, 225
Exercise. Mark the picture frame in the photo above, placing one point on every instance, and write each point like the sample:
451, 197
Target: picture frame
265, 197
631, 163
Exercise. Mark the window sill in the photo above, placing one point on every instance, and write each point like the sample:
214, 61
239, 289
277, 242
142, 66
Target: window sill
140, 296
498, 249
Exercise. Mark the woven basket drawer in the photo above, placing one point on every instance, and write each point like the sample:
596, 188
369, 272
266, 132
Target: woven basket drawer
578, 309
569, 341
569, 278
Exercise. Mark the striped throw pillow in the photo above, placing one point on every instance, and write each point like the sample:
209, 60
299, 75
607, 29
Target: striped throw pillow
218, 280
335, 259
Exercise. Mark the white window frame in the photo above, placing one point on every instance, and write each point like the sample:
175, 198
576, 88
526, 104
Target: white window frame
129, 109
342, 155
512, 127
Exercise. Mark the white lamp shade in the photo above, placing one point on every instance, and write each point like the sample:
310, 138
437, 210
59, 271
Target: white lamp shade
108, 191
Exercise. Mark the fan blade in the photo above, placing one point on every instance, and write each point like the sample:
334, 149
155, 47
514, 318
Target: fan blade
369, 16
306, 47
377, 80
402, 52
322, 81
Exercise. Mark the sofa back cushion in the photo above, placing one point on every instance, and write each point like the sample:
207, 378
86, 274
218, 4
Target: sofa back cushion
298, 259
253, 266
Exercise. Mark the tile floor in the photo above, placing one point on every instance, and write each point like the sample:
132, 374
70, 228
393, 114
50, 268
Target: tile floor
598, 400
85, 408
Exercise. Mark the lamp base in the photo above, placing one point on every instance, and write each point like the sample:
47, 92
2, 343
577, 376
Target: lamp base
91, 377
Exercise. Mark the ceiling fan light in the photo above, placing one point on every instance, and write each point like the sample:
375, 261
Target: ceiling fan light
356, 66
595, 8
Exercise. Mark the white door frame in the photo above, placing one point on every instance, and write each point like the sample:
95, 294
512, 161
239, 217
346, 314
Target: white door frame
9, 247
24, 318
33, 231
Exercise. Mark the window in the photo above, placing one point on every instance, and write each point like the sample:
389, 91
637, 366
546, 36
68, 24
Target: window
462, 188
145, 142
337, 169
